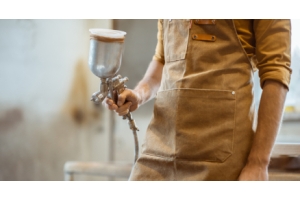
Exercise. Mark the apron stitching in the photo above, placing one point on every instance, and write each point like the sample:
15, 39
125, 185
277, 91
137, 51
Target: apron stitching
191, 160
215, 90
175, 139
167, 42
175, 169
187, 44
152, 155
233, 134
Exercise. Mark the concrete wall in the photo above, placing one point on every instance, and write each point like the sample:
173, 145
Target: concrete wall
46, 117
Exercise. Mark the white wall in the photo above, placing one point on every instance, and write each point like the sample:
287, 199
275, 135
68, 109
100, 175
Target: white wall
46, 117
37, 60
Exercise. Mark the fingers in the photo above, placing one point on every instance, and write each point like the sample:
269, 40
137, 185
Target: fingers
133, 107
127, 95
121, 110
122, 98
127, 102
108, 103
124, 109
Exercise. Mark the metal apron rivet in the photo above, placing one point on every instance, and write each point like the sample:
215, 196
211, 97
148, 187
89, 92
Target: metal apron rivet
233, 92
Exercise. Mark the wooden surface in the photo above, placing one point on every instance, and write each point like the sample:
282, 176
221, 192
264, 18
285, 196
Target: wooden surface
286, 149
283, 176
110, 169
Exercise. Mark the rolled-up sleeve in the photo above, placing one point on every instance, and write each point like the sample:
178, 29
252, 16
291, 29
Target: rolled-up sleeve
159, 50
273, 50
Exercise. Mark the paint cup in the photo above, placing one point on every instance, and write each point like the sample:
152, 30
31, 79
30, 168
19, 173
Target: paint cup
106, 49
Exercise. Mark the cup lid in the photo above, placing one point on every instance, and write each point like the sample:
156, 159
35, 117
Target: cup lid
109, 33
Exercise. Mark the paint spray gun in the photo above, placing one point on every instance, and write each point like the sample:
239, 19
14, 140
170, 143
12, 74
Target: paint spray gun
105, 56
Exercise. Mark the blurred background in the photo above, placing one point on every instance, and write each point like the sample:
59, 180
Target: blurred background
46, 117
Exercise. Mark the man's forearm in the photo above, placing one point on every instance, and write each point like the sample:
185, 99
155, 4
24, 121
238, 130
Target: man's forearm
269, 119
150, 83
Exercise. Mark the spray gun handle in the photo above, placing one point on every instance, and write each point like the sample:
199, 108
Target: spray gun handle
119, 86
111, 88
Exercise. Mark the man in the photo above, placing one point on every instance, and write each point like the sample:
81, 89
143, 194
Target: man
203, 125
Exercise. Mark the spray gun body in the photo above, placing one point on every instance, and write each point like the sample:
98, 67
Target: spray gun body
106, 48
108, 88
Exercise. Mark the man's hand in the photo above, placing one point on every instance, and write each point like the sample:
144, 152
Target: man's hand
254, 173
128, 101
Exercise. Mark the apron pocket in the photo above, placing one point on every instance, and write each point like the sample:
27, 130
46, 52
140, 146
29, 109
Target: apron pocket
205, 124
176, 39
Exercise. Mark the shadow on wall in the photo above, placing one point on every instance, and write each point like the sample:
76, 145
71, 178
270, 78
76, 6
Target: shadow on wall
10, 118
78, 106
35, 148
46, 117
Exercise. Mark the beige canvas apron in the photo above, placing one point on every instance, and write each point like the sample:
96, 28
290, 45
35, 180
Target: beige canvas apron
203, 115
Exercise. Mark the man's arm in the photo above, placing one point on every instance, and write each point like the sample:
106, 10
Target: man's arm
269, 120
130, 100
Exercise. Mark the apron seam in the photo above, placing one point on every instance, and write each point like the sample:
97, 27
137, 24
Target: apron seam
241, 46
215, 90
208, 161
175, 169
234, 128
159, 156
175, 139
